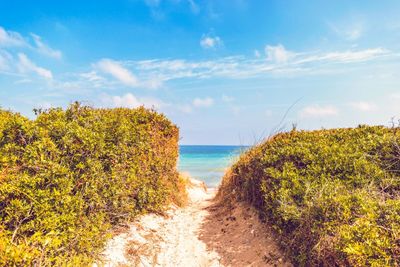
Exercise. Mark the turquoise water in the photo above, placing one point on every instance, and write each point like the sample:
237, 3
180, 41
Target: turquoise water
207, 163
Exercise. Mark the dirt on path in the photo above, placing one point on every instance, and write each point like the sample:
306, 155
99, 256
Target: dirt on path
201, 234
239, 238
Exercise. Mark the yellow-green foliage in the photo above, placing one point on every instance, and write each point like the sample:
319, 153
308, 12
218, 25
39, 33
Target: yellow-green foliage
333, 196
68, 176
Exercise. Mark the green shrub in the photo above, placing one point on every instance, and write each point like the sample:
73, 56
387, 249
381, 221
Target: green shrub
333, 196
68, 176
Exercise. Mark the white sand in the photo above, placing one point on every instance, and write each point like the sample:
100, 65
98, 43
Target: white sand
155, 240
203, 233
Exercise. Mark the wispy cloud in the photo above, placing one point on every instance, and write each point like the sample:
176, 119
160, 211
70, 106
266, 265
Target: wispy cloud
395, 95
5, 60
278, 54
203, 102
194, 7
237, 67
11, 38
25, 65
155, 73
124, 75
363, 106
45, 49
208, 42
131, 101
350, 30
15, 55
318, 111
116, 70
92, 76
345, 56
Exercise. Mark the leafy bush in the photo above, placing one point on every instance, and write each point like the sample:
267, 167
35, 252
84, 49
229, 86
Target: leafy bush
67, 177
333, 196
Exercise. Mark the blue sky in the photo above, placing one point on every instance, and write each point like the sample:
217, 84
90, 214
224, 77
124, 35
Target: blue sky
225, 72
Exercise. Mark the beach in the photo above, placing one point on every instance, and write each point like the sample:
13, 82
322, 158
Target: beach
204, 233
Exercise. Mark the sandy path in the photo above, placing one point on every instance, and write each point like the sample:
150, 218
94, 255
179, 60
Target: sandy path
201, 234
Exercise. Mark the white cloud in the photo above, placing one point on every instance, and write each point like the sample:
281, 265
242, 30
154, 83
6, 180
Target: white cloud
25, 65
354, 34
155, 72
318, 111
203, 102
347, 56
23, 81
193, 6
257, 53
395, 95
116, 70
10, 38
5, 60
363, 106
91, 76
278, 54
15, 39
208, 42
350, 30
121, 72
45, 49
227, 98
130, 101
185, 108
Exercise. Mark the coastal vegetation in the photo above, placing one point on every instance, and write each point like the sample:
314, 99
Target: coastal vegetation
332, 196
69, 176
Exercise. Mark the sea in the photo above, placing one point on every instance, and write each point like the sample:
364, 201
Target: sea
207, 163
